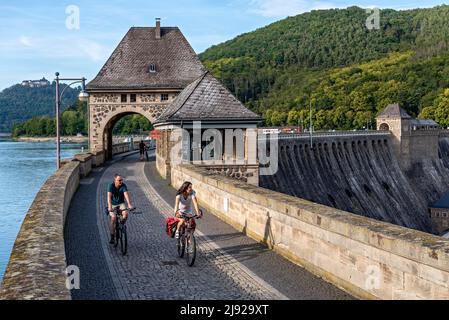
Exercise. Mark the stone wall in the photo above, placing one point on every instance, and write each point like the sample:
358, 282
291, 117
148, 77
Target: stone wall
366, 257
124, 147
85, 160
106, 109
36, 269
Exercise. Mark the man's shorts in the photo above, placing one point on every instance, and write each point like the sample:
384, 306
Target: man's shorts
122, 206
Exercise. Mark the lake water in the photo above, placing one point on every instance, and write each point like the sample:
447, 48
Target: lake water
24, 167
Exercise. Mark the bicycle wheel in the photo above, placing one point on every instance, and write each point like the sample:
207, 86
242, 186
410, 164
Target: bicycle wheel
190, 249
117, 235
180, 245
123, 240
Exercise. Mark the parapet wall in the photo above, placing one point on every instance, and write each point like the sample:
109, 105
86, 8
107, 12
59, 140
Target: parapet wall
36, 268
366, 257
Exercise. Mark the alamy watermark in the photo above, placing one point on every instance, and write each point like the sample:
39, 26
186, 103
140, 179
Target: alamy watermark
73, 277
373, 277
210, 146
72, 21
373, 20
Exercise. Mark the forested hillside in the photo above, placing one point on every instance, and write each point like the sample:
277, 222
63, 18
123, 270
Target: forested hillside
328, 58
31, 112
19, 103
348, 72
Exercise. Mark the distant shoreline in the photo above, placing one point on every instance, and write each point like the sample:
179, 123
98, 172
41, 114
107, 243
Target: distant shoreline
72, 139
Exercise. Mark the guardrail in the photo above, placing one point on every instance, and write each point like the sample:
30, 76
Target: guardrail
319, 134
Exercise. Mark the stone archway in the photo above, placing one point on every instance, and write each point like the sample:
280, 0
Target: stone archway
104, 117
384, 127
108, 135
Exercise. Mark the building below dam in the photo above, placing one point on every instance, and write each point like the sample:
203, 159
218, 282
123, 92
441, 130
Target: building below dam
394, 174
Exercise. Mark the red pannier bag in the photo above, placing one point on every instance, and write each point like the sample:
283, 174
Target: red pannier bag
170, 226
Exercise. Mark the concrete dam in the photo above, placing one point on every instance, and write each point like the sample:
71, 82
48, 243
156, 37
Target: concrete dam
361, 174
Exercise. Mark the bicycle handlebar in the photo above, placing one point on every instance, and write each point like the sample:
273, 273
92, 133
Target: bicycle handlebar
120, 210
195, 216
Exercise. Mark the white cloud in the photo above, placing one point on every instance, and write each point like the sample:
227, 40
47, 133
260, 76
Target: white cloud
283, 8
25, 41
55, 48
93, 50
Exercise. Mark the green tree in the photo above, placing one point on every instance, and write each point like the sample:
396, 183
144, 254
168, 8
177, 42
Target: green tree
279, 118
442, 109
71, 122
427, 113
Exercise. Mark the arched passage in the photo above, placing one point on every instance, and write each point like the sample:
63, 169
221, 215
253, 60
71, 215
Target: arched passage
384, 127
104, 118
108, 132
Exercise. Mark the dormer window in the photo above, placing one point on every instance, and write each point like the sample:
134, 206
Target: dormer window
152, 68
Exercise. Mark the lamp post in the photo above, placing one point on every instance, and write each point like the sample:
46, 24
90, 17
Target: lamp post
311, 125
83, 96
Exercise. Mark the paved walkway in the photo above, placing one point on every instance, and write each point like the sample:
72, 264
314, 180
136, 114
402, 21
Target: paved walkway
229, 265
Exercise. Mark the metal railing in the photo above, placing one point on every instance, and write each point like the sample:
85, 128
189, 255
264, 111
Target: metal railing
318, 134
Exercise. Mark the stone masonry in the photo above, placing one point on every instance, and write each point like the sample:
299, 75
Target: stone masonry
106, 110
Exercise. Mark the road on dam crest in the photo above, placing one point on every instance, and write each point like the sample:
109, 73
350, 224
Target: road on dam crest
229, 265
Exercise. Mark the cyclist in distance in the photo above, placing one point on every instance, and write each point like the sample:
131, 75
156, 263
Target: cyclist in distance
185, 200
117, 193
142, 148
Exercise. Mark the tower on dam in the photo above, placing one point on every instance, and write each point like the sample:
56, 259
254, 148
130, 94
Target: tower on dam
413, 140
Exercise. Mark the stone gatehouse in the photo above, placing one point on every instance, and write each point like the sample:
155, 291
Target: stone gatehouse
155, 72
144, 74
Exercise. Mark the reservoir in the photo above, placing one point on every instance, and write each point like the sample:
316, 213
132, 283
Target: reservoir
24, 167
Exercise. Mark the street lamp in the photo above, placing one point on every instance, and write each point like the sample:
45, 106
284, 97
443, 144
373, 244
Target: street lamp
311, 125
83, 96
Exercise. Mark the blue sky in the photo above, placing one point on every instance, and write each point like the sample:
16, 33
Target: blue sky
36, 41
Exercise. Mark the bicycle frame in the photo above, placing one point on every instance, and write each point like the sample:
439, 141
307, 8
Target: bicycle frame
120, 229
186, 243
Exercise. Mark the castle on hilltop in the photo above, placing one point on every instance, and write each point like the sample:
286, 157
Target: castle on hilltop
36, 83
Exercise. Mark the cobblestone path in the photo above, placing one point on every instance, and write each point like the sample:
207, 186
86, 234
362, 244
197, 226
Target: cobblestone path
152, 269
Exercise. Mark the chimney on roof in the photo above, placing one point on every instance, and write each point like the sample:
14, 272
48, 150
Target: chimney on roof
158, 28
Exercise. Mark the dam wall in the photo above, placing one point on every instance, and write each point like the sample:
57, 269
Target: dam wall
366, 257
443, 150
353, 172
430, 177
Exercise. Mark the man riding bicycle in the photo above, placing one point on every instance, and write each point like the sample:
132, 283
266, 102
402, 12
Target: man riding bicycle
183, 206
117, 193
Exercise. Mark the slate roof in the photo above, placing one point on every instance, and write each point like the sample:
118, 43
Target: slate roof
394, 111
424, 122
207, 99
176, 62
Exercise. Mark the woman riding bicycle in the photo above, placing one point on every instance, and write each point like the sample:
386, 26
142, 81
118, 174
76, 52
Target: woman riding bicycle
183, 206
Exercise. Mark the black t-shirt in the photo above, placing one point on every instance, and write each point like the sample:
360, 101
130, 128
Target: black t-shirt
118, 195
